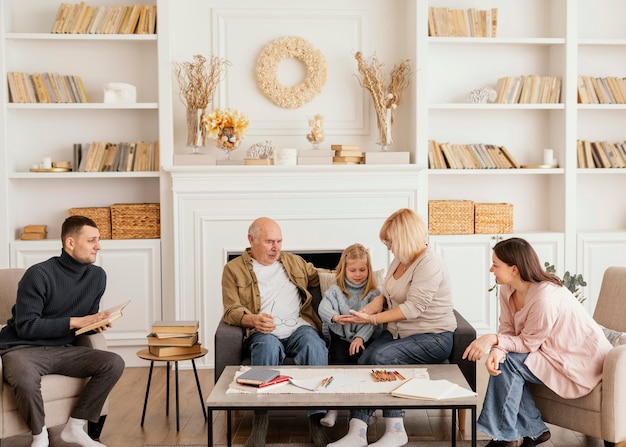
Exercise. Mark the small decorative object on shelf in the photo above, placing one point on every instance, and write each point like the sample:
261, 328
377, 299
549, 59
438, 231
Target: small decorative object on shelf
227, 127
262, 150
385, 98
316, 134
482, 95
197, 81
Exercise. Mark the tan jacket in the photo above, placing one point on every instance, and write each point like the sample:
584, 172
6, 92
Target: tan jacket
240, 290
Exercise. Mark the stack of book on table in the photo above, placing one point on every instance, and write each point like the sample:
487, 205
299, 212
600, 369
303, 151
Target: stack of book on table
174, 338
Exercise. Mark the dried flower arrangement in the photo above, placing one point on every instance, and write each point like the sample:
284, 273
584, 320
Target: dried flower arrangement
227, 127
385, 98
198, 81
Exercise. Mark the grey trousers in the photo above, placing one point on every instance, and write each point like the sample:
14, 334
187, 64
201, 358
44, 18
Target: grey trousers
24, 367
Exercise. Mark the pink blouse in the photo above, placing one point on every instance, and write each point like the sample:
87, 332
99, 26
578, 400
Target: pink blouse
566, 346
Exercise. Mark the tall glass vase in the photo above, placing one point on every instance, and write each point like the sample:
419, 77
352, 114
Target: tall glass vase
196, 135
384, 130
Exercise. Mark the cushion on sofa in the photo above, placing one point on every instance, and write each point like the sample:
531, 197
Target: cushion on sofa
616, 338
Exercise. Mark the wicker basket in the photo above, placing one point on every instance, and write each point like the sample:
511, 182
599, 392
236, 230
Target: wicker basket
450, 216
135, 221
493, 218
101, 216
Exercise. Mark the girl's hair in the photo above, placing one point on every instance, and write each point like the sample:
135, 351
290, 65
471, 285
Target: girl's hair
406, 233
353, 252
517, 251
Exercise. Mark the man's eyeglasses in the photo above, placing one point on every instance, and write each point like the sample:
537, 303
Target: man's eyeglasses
289, 322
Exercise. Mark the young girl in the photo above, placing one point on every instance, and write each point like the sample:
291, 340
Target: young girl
356, 286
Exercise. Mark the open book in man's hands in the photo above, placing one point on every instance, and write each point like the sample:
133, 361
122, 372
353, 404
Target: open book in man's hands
115, 313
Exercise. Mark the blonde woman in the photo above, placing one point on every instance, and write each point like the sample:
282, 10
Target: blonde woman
416, 305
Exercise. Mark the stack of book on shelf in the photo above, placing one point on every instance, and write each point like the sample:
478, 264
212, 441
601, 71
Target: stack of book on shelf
447, 22
601, 154
100, 156
531, 89
80, 18
34, 232
45, 88
347, 154
469, 156
607, 90
174, 338
315, 156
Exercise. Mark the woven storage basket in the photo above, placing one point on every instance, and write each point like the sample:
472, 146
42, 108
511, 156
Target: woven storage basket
493, 218
101, 216
450, 216
135, 221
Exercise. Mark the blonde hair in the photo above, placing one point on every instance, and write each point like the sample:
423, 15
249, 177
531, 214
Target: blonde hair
407, 234
353, 252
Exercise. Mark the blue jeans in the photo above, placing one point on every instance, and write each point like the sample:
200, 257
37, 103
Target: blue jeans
305, 346
412, 350
509, 411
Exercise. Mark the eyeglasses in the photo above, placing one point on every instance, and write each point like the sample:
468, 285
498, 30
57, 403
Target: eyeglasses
289, 322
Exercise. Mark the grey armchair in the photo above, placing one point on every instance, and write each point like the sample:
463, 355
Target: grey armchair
599, 414
59, 392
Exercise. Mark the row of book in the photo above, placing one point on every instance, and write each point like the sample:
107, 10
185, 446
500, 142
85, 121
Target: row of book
606, 90
100, 156
45, 88
80, 18
601, 154
530, 89
469, 156
447, 22
178, 337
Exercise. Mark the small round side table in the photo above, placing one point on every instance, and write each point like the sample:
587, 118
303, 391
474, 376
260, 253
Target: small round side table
146, 355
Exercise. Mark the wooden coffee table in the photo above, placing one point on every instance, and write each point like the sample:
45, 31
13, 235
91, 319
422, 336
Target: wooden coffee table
219, 400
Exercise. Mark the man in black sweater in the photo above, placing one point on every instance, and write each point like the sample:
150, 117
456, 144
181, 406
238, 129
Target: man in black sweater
54, 299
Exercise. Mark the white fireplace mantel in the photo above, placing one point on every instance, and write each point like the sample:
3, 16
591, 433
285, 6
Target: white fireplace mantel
317, 207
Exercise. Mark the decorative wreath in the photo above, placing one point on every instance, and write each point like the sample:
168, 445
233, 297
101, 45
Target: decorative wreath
267, 72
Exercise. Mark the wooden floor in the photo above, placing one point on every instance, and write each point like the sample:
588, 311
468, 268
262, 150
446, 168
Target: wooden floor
122, 428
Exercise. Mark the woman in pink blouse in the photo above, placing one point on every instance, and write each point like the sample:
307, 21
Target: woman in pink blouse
545, 336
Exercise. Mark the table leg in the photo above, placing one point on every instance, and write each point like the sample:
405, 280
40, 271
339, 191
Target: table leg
145, 401
229, 429
167, 390
454, 427
474, 426
177, 418
195, 372
209, 429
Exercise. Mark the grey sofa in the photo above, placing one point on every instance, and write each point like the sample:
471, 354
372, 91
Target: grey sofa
230, 350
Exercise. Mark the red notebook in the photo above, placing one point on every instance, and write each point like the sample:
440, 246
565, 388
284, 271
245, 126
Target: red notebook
276, 380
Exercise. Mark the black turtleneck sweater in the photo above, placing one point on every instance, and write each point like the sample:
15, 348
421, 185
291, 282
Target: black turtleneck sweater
49, 294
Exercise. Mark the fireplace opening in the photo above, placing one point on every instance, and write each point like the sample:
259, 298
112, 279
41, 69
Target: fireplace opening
326, 259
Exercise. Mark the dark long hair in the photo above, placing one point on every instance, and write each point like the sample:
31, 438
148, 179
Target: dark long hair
517, 251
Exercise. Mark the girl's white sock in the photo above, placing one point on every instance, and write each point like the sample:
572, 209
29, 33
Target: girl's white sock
395, 434
356, 437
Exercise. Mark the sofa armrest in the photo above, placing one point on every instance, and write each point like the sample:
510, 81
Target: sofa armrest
463, 336
95, 341
228, 347
614, 393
